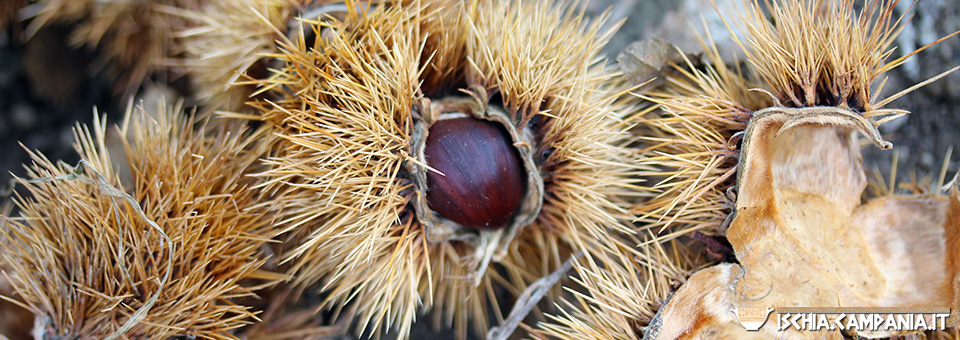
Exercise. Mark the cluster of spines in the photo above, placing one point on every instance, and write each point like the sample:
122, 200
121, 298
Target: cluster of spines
693, 151
224, 44
343, 110
619, 301
133, 38
804, 54
799, 54
159, 254
693, 140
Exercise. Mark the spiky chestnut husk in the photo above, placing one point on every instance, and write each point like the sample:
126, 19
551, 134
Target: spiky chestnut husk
620, 300
353, 112
15, 321
813, 64
226, 43
88, 262
796, 62
133, 37
693, 152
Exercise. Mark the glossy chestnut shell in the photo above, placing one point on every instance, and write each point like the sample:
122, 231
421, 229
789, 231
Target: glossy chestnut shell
483, 180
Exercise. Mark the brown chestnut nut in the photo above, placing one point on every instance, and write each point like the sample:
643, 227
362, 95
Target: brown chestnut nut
483, 180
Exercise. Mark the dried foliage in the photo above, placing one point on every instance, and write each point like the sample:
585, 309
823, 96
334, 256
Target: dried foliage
344, 110
133, 37
165, 257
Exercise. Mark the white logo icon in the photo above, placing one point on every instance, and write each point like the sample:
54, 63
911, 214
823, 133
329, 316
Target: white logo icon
752, 318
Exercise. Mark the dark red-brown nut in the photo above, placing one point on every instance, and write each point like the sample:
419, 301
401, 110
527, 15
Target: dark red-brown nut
482, 181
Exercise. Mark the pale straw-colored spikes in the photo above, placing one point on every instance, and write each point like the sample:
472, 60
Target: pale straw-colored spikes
164, 254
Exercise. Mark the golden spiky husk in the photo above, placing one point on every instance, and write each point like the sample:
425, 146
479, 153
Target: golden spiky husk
133, 37
15, 321
803, 54
819, 53
619, 300
88, 262
224, 40
344, 114
692, 152
692, 132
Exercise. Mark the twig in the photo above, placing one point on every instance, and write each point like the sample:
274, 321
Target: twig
529, 299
